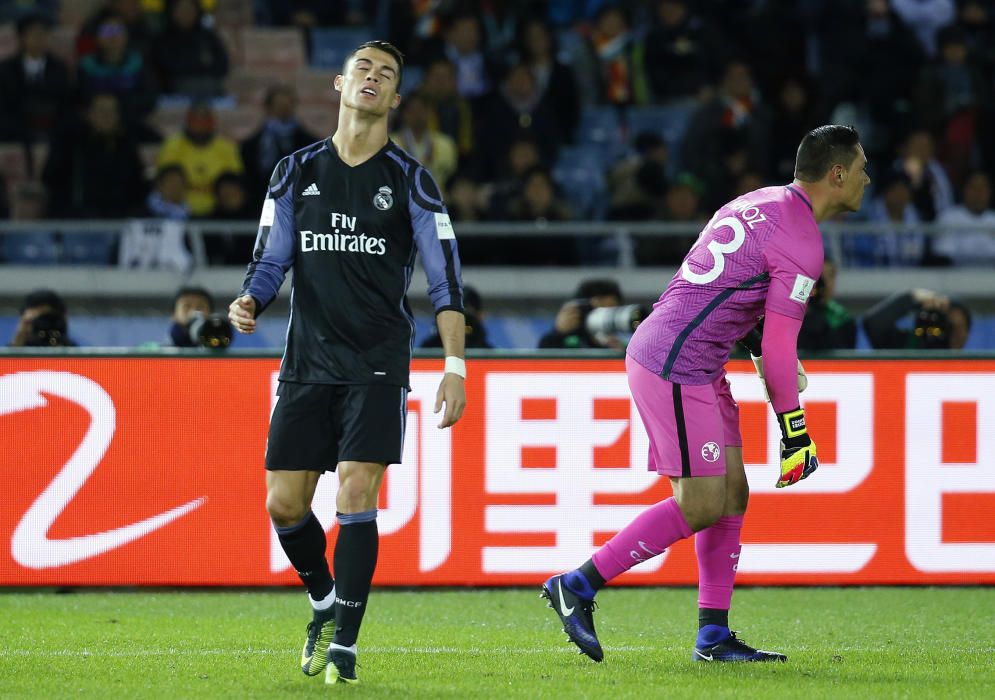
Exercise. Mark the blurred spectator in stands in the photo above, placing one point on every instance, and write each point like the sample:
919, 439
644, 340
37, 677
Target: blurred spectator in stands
827, 324
610, 69
307, 14
681, 52
188, 56
414, 133
130, 12
952, 82
93, 170
554, 79
500, 21
513, 112
538, 199
749, 181
466, 200
567, 13
188, 303
682, 204
735, 116
232, 201
280, 135
899, 247
35, 92
977, 19
794, 116
867, 56
44, 321
937, 322
168, 198
569, 330
28, 201
203, 154
637, 185
4, 199
463, 45
16, 10
926, 18
522, 156
931, 189
451, 113
120, 70
975, 245
473, 312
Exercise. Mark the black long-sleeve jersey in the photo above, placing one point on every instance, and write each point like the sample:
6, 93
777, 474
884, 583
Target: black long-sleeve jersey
351, 234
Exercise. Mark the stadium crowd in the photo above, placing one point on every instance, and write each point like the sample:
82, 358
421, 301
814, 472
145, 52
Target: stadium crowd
636, 110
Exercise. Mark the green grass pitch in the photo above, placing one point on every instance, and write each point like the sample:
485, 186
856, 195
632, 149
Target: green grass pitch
841, 643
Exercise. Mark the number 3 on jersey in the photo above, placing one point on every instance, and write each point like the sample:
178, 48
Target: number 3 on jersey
719, 251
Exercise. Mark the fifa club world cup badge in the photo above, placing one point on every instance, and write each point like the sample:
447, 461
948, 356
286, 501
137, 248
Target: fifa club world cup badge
383, 199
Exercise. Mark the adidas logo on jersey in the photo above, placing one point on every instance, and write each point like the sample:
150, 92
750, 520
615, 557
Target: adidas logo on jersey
312, 189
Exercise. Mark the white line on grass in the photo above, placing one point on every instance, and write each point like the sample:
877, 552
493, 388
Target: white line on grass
173, 651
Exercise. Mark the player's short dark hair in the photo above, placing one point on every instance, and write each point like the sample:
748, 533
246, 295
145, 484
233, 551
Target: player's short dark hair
824, 147
44, 297
194, 291
387, 48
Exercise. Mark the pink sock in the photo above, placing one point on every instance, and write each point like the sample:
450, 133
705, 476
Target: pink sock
653, 530
718, 549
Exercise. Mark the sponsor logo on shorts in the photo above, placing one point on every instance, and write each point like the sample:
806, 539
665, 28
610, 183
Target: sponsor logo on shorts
710, 451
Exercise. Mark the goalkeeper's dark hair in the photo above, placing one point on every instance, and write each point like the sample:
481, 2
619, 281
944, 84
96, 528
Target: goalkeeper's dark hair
387, 48
824, 147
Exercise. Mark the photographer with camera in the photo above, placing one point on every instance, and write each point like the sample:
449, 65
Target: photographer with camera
43, 322
827, 324
594, 318
939, 322
195, 324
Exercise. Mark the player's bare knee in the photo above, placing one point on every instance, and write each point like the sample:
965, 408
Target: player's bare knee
285, 512
355, 495
737, 498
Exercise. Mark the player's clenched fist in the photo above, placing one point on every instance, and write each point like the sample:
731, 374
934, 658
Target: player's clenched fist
242, 314
798, 458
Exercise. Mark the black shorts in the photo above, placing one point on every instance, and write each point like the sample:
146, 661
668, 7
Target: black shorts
316, 426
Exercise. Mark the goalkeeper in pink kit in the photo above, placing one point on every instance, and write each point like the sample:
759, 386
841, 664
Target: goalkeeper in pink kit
758, 257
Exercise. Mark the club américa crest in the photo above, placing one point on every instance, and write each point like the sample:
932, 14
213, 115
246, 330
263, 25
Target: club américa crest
383, 199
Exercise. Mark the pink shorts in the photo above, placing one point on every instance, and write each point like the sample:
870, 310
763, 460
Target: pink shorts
689, 426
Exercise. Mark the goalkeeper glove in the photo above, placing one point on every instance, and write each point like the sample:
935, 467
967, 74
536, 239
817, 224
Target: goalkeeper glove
758, 363
798, 458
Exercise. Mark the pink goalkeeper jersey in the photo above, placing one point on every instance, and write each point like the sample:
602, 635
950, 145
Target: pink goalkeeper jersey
761, 252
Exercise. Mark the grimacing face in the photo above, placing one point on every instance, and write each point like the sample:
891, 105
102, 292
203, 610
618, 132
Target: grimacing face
369, 83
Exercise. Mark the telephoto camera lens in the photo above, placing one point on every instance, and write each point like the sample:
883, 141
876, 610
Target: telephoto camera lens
213, 331
614, 319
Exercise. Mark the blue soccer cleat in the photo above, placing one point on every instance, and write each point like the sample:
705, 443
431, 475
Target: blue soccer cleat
577, 615
732, 649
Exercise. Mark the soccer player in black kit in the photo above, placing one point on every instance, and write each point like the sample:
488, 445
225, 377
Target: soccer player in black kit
348, 214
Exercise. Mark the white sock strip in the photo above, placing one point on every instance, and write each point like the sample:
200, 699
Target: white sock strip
325, 603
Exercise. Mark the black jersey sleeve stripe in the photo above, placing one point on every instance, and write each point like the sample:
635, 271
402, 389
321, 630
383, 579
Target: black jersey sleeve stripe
273, 253
437, 246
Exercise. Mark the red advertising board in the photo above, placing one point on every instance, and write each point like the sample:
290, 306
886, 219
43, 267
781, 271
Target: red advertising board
123, 471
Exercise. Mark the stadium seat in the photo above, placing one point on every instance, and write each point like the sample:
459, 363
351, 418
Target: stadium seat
29, 248
233, 13
239, 123
88, 248
601, 128
272, 48
330, 45
320, 120
231, 37
579, 172
669, 122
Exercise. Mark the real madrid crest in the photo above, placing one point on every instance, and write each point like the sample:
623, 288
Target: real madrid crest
383, 199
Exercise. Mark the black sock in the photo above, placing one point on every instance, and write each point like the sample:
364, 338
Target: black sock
712, 616
592, 575
304, 544
355, 561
